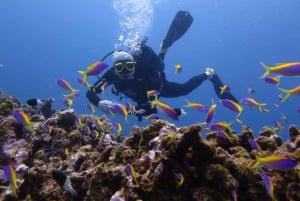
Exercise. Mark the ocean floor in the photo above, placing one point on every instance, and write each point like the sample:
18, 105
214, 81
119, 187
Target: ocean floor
70, 156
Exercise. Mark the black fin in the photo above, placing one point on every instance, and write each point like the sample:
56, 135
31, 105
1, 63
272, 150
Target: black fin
32, 102
179, 26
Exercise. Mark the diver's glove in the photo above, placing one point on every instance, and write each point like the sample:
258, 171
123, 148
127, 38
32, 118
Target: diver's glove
107, 106
179, 111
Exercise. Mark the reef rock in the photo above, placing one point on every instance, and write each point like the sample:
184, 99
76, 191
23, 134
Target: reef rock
158, 162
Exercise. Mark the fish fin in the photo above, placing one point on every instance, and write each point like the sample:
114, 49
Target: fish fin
83, 73
287, 95
68, 187
267, 68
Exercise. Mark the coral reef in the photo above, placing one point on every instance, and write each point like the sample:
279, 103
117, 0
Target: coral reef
157, 162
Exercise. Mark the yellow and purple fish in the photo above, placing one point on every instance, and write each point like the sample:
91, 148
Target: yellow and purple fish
67, 86
226, 136
86, 130
197, 106
83, 82
165, 109
68, 102
153, 116
251, 91
290, 92
130, 171
100, 124
23, 119
275, 162
254, 144
220, 126
224, 88
118, 128
94, 69
179, 179
121, 110
287, 69
178, 68
10, 175
272, 80
130, 107
232, 105
91, 107
104, 86
269, 186
250, 102
211, 113
234, 195
152, 93
94, 134
79, 122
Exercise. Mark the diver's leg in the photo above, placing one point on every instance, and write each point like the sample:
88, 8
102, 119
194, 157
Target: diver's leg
174, 89
217, 83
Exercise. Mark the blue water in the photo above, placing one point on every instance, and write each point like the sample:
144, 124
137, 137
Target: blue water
41, 41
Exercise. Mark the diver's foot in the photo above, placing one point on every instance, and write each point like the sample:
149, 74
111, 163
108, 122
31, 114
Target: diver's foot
210, 72
162, 50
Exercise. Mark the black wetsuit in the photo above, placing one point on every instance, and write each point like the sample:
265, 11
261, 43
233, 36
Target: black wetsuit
149, 75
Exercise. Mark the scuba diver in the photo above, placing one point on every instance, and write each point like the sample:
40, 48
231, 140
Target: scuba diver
135, 73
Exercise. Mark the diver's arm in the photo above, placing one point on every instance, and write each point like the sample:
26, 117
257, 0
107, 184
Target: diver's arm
92, 93
92, 97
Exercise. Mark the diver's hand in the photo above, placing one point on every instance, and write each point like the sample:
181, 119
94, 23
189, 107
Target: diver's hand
107, 106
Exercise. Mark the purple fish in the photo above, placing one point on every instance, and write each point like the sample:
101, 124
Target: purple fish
179, 178
166, 110
10, 175
277, 162
254, 144
269, 186
211, 113
250, 102
66, 85
272, 80
298, 109
121, 109
287, 69
233, 106
94, 69
130, 171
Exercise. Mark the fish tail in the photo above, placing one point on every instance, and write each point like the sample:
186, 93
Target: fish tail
255, 164
72, 191
267, 68
261, 107
72, 94
187, 103
287, 95
30, 127
83, 73
239, 113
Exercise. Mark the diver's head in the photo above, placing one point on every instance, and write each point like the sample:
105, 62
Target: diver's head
124, 65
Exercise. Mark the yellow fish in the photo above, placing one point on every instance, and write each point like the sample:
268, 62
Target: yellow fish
287, 69
178, 68
290, 92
